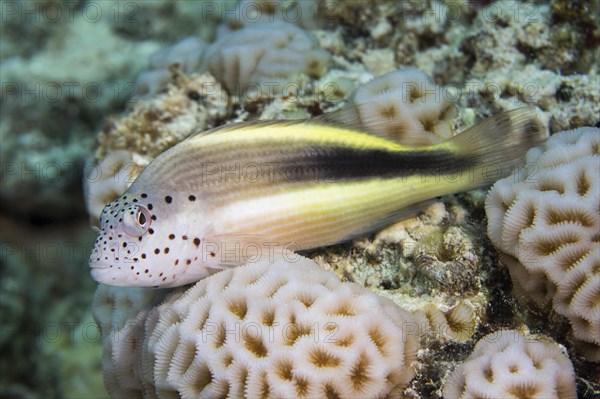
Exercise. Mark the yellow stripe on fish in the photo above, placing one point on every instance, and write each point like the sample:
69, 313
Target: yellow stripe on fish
221, 197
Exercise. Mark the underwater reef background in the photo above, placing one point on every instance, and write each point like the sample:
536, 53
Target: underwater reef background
71, 79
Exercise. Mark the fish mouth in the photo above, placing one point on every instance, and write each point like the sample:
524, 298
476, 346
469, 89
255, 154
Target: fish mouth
100, 271
99, 274
106, 275
95, 264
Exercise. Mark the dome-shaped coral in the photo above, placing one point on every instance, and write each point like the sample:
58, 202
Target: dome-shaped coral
120, 315
264, 55
282, 329
264, 58
407, 104
546, 220
507, 364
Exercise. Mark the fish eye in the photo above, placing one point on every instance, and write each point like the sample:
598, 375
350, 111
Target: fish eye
136, 220
141, 218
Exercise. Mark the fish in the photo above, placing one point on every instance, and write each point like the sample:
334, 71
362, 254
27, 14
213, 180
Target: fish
240, 192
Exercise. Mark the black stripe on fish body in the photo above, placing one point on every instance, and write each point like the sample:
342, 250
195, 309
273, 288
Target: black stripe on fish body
218, 166
304, 165
339, 164
222, 170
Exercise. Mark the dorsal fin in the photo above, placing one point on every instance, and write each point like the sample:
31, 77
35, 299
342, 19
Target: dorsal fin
246, 124
349, 117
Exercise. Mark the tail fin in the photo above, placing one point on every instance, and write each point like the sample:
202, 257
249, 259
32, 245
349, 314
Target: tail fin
499, 143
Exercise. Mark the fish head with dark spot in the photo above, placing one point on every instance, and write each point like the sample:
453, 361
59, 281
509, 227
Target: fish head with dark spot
149, 241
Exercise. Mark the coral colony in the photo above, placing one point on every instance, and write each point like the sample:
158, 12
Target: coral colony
282, 329
434, 164
176, 349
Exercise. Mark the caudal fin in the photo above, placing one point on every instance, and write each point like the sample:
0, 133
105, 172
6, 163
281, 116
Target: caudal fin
499, 143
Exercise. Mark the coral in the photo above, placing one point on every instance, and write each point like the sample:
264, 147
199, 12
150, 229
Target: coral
573, 100
186, 53
457, 323
120, 315
521, 34
409, 106
280, 329
526, 57
54, 55
569, 101
508, 364
448, 262
263, 58
379, 61
268, 56
546, 219
443, 258
495, 63
579, 41
507, 55
113, 307
401, 263
191, 104
337, 85
77, 43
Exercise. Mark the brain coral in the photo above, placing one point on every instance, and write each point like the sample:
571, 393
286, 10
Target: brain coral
281, 329
507, 364
120, 315
408, 104
264, 53
264, 57
546, 220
